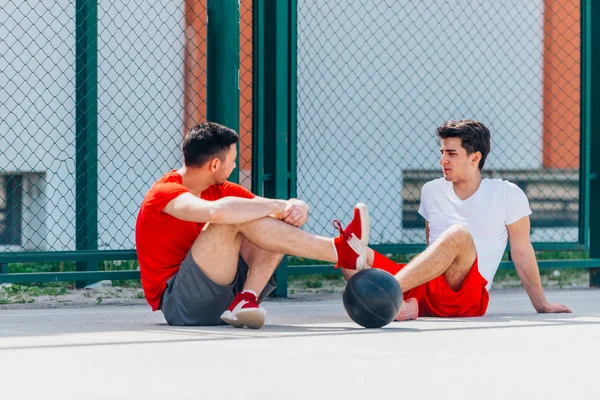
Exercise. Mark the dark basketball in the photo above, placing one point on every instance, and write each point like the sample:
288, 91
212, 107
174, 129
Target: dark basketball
372, 298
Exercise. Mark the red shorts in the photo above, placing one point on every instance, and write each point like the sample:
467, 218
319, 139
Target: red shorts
437, 299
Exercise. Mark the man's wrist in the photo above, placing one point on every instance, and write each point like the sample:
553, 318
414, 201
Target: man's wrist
280, 206
540, 305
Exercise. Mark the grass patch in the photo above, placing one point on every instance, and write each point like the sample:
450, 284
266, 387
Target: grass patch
320, 277
293, 260
16, 294
129, 265
562, 255
25, 268
316, 283
561, 278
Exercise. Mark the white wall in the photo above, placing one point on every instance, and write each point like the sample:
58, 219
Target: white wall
375, 79
37, 114
140, 89
140, 108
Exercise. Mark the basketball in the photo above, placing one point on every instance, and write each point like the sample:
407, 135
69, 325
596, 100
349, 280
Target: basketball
372, 298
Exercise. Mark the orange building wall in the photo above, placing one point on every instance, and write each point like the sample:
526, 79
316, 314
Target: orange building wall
245, 92
561, 83
195, 64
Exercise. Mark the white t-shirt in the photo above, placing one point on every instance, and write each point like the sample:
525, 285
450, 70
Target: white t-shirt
495, 204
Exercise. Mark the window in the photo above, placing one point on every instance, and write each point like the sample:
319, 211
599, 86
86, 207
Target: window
11, 195
553, 195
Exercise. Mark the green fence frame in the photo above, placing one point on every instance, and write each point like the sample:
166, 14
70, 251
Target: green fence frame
274, 126
274, 106
223, 67
86, 131
590, 102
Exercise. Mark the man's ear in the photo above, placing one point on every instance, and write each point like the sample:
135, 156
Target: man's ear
476, 157
214, 164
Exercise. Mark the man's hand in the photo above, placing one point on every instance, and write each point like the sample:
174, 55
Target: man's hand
552, 308
295, 213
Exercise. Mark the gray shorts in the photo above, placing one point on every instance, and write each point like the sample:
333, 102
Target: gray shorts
191, 298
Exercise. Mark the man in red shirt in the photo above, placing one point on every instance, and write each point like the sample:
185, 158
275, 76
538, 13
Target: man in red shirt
204, 244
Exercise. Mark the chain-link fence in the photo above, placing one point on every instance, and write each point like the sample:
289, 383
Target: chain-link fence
246, 77
76, 162
141, 85
376, 78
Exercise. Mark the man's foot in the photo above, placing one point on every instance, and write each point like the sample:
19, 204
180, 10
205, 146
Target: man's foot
351, 245
245, 311
409, 310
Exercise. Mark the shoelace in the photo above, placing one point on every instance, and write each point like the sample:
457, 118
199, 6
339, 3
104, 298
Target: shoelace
254, 298
249, 297
338, 225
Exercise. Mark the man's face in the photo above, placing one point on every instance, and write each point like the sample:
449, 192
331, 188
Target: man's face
456, 164
226, 167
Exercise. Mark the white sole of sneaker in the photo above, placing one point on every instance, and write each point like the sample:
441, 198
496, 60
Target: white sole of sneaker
230, 319
253, 318
361, 261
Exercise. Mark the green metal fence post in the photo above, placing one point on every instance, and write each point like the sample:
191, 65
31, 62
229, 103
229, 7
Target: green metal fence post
590, 24
86, 127
272, 106
288, 97
281, 172
3, 268
293, 68
258, 96
223, 66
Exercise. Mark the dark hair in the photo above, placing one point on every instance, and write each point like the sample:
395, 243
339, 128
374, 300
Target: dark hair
207, 141
474, 136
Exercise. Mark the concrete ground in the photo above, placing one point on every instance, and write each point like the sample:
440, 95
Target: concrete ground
309, 349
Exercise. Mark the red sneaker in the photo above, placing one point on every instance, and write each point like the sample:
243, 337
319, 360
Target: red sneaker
408, 310
244, 310
351, 245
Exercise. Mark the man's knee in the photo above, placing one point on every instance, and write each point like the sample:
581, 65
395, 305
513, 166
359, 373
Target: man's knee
224, 229
251, 253
459, 235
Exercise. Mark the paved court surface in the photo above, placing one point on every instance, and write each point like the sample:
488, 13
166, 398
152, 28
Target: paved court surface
309, 350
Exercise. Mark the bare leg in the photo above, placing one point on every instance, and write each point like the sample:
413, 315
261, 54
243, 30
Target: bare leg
349, 273
217, 248
216, 251
278, 237
452, 255
262, 263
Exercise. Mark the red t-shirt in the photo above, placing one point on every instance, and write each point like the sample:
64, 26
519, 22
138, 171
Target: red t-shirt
163, 241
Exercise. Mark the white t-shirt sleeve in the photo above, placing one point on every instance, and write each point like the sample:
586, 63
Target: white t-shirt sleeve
425, 193
517, 205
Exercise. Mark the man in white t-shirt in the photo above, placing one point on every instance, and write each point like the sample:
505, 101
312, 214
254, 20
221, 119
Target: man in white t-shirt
468, 221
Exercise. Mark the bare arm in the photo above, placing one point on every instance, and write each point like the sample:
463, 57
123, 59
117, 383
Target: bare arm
427, 232
228, 210
527, 268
